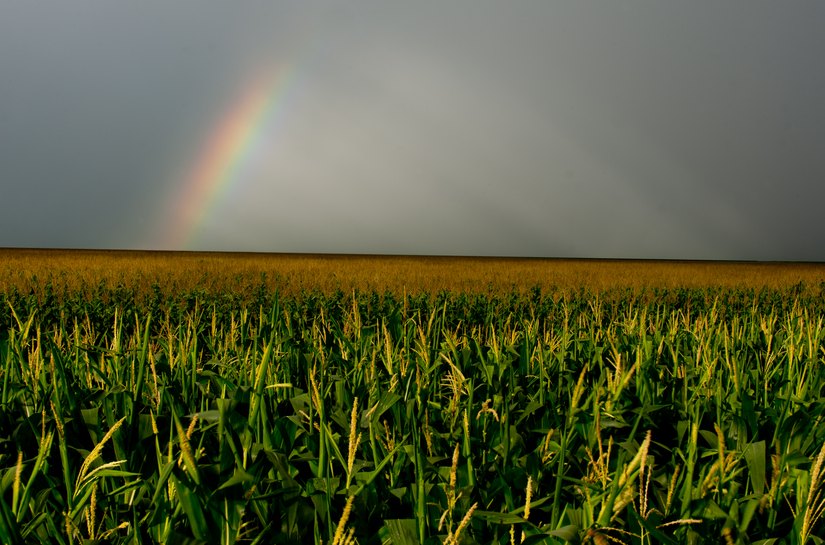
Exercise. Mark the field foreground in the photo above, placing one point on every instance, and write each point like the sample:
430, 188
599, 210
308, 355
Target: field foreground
141, 406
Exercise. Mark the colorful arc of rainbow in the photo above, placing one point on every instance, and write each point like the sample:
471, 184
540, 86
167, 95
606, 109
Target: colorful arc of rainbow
223, 154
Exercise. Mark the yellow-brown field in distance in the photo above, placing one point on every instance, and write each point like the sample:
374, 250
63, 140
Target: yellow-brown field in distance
82, 270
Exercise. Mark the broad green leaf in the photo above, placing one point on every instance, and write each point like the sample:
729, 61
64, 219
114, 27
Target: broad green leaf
160, 487
755, 458
498, 518
567, 533
194, 512
239, 477
9, 532
658, 535
400, 532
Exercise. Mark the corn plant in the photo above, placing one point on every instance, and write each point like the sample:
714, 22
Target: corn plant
580, 417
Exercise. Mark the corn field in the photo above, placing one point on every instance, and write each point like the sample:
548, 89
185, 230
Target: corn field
681, 416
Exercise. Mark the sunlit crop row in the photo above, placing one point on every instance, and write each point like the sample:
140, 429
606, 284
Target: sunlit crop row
522, 418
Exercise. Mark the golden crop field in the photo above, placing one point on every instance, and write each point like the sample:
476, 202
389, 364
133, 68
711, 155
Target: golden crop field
82, 270
199, 399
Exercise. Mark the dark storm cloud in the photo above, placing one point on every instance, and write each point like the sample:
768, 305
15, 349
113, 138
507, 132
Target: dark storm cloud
589, 129
725, 99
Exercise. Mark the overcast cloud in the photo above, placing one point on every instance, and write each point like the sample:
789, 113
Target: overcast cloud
621, 129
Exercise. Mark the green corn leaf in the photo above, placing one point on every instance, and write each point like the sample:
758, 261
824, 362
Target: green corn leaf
498, 518
655, 533
9, 532
755, 458
399, 532
366, 478
239, 477
192, 507
160, 487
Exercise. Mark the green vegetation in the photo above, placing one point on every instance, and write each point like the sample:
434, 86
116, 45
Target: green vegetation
529, 416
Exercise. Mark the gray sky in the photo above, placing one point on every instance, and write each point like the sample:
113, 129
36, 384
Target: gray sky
611, 129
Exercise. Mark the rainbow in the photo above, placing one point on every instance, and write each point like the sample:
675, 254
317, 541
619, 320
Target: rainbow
219, 164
